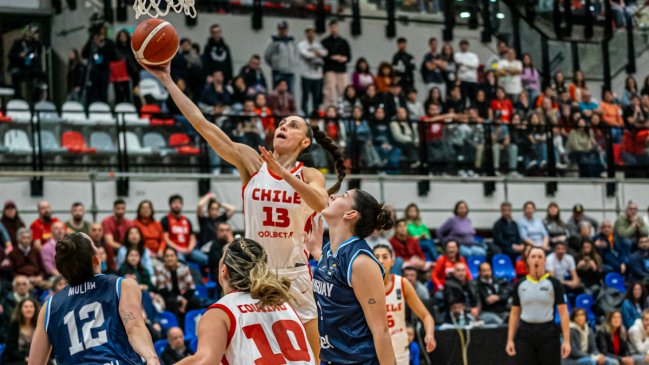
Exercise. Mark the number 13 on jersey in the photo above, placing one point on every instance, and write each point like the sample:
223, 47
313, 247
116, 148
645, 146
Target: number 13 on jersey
276, 217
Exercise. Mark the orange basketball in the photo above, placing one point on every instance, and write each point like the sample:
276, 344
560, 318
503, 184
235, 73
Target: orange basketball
154, 42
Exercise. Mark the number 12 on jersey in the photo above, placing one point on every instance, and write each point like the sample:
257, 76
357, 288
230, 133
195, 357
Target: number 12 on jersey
96, 322
277, 217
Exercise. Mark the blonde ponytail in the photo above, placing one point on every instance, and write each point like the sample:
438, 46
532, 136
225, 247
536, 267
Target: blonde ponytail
270, 289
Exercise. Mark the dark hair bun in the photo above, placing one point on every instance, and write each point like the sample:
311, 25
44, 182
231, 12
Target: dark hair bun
65, 248
384, 220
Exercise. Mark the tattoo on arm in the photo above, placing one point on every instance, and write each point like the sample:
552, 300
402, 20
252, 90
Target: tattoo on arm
371, 301
126, 316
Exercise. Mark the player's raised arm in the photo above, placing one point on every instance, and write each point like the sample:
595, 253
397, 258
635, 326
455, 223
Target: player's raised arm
212, 334
39, 351
246, 159
368, 287
130, 311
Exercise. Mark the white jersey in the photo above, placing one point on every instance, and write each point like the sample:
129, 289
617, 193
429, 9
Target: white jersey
276, 216
395, 300
263, 336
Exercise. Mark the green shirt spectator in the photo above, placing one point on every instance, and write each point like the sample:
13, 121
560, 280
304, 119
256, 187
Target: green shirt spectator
630, 225
416, 228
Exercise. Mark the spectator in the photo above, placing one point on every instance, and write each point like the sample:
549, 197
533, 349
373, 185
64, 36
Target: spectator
132, 266
312, 55
405, 137
115, 227
384, 77
176, 349
48, 250
577, 217
582, 150
559, 83
432, 68
646, 217
612, 340
335, 66
589, 267
209, 215
21, 289
457, 316
21, 332
360, 141
555, 227
405, 247
634, 151
531, 229
639, 261
389, 154
458, 284
506, 235
419, 230
25, 259
178, 233
101, 254
281, 100
347, 103
175, 283
577, 86
634, 304
75, 75
42, 226
467, 63
217, 55
282, 56
194, 75
238, 93
630, 90
502, 143
509, 74
639, 335
100, 52
404, 65
150, 229
588, 106
415, 108
362, 76
530, 77
561, 265
611, 114
77, 223
445, 264
216, 94
494, 295
411, 274
5, 241
583, 349
25, 61
223, 237
613, 248
635, 114
370, 101
460, 229
394, 100
450, 72
11, 221
413, 348
489, 85
124, 53
501, 108
96, 234
253, 75
630, 224
133, 239
453, 103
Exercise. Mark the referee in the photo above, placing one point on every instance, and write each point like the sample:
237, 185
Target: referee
531, 321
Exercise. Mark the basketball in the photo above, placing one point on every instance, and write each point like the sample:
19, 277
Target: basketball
154, 42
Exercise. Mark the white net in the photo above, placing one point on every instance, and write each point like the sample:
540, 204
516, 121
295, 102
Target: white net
157, 8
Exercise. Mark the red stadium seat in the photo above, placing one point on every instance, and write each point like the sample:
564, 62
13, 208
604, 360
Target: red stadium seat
181, 142
152, 113
4, 118
74, 142
617, 149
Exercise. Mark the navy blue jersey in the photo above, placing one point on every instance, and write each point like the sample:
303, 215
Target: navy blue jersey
345, 337
84, 326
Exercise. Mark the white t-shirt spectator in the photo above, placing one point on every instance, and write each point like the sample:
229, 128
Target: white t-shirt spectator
560, 267
310, 63
511, 83
468, 63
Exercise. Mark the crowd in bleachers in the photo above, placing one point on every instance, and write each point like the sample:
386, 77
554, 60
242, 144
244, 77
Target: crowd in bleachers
383, 122
462, 277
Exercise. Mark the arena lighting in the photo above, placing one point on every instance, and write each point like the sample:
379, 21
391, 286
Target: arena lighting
500, 16
465, 14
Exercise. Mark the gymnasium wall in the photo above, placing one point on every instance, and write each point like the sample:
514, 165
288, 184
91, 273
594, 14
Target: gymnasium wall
436, 206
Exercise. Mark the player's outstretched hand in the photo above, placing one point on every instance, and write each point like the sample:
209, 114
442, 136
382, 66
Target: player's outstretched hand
271, 162
511, 348
565, 349
314, 238
160, 71
430, 342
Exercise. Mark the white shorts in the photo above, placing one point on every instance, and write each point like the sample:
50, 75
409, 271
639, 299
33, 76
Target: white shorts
302, 290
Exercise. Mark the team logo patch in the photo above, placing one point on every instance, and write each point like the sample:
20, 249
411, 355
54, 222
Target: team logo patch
398, 294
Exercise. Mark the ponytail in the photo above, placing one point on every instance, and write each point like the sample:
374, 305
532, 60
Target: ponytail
336, 153
247, 265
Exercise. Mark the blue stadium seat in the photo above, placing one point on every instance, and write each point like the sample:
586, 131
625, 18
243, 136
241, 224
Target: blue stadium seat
160, 346
191, 321
2, 350
586, 301
474, 263
201, 292
168, 320
193, 344
502, 267
615, 280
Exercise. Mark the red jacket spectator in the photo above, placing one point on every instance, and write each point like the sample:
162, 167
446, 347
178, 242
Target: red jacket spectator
406, 249
42, 226
115, 228
443, 267
505, 107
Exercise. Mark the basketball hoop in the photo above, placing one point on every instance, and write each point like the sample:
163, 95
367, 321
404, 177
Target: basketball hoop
152, 7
